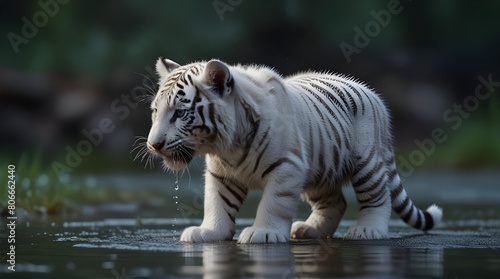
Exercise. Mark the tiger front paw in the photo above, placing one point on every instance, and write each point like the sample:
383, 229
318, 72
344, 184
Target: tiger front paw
199, 234
301, 230
261, 235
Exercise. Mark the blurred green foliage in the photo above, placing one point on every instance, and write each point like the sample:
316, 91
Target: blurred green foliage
450, 42
36, 189
39, 191
96, 37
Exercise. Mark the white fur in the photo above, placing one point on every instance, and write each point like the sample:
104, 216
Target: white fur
288, 164
436, 213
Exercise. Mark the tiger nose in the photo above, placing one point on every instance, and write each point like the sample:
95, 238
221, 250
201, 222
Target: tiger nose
158, 145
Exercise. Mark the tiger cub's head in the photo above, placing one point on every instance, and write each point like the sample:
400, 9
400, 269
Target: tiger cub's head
189, 109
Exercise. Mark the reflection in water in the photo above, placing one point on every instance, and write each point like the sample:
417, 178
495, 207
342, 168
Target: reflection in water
237, 261
428, 262
268, 261
120, 246
309, 259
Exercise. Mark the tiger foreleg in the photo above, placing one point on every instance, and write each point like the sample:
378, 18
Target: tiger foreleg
222, 202
275, 212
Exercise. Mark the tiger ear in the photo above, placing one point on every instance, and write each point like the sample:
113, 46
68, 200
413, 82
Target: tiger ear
217, 75
165, 66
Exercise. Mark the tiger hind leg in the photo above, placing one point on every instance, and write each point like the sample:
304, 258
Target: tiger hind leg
370, 184
328, 209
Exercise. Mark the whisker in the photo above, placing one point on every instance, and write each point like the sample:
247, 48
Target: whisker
147, 77
141, 146
150, 91
142, 151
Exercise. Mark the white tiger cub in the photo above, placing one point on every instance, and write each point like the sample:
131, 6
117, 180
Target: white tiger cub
302, 136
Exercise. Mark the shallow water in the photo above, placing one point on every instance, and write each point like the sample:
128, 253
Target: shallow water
122, 248
137, 240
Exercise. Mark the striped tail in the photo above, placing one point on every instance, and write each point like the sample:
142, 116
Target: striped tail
413, 216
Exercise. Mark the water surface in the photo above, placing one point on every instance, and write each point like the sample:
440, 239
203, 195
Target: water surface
139, 240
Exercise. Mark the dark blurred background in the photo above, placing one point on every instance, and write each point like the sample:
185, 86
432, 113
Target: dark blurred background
67, 65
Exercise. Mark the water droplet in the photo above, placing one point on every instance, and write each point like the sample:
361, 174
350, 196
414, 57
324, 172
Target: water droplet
176, 185
176, 201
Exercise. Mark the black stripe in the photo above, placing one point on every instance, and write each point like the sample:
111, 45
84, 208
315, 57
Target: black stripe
370, 206
286, 194
389, 160
260, 142
366, 177
200, 112
277, 164
418, 224
328, 108
400, 208
337, 90
231, 217
372, 187
229, 203
196, 99
310, 102
371, 198
257, 162
355, 91
236, 195
251, 135
396, 192
353, 106
429, 222
320, 172
391, 175
195, 70
182, 78
360, 165
326, 176
329, 96
264, 137
211, 116
380, 195
220, 121
211, 113
320, 114
224, 181
332, 97
221, 179
408, 215
336, 156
